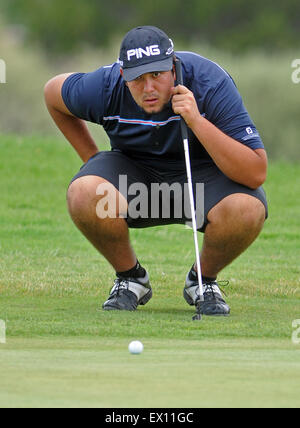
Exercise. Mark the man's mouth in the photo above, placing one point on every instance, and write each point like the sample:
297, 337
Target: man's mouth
150, 101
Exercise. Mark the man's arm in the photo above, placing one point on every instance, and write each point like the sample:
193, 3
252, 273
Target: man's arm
73, 128
239, 162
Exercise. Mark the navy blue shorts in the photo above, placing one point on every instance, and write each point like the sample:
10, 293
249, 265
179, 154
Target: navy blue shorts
152, 188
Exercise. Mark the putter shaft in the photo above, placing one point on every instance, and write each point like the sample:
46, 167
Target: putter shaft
184, 133
194, 222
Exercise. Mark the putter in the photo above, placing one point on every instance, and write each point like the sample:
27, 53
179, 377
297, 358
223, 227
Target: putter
184, 133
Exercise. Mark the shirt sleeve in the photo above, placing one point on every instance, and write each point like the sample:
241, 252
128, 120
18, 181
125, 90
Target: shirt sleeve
84, 95
225, 109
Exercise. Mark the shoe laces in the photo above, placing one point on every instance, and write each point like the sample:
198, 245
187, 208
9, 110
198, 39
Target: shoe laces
210, 287
120, 284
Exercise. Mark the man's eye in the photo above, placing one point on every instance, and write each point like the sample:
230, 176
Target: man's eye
156, 74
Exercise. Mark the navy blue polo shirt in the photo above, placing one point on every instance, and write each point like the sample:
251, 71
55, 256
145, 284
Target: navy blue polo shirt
102, 97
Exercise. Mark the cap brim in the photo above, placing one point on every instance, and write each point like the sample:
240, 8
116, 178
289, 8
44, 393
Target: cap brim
134, 72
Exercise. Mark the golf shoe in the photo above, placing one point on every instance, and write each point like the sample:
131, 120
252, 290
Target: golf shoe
127, 293
213, 303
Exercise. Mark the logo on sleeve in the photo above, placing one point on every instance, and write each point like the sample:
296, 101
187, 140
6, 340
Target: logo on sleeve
251, 133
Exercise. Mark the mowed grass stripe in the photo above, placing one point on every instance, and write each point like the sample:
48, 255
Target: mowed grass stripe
170, 373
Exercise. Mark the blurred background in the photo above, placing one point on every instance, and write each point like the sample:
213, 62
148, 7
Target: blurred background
256, 42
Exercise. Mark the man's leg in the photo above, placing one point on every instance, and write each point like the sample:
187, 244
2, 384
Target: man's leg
110, 236
102, 225
234, 223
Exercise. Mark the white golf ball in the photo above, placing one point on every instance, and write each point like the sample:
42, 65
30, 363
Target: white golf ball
135, 347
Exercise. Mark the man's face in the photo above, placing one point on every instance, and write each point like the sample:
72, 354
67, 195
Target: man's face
152, 91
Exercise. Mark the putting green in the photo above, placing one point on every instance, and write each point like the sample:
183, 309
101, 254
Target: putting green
86, 372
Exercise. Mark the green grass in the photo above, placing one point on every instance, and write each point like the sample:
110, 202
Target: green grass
62, 350
99, 372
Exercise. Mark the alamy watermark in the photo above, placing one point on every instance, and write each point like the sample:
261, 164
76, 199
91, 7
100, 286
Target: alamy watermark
296, 73
2, 71
2, 332
160, 201
296, 332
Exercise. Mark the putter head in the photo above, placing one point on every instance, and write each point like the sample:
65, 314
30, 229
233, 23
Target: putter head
197, 316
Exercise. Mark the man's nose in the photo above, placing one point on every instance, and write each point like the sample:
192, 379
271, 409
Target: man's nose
148, 85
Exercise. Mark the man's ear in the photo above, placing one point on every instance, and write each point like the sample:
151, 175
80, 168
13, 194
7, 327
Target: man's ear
174, 72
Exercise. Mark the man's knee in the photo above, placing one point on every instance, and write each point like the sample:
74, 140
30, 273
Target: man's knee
94, 196
81, 194
241, 210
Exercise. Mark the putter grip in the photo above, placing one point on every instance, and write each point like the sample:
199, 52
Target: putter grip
179, 81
